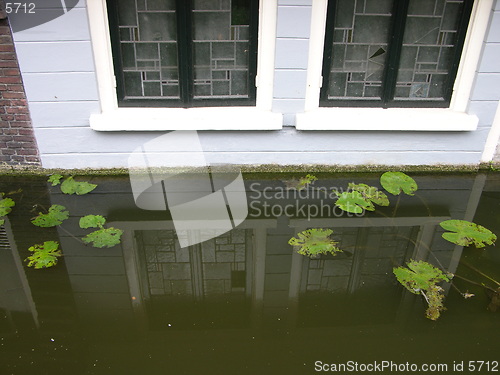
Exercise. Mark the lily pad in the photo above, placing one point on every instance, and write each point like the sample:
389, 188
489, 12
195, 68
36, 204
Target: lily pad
70, 186
467, 233
313, 242
422, 278
92, 221
301, 183
55, 179
353, 202
6, 205
55, 216
370, 193
105, 237
419, 276
44, 255
397, 182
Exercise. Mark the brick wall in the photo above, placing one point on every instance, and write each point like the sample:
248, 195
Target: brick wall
17, 141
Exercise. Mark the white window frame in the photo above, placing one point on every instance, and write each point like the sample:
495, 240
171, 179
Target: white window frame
114, 118
454, 118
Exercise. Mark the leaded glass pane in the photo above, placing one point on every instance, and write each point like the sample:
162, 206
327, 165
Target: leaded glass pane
360, 44
427, 52
148, 44
220, 48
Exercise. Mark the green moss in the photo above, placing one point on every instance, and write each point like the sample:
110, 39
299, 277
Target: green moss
261, 170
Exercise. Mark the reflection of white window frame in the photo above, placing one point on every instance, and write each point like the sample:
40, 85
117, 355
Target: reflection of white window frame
255, 270
112, 117
453, 118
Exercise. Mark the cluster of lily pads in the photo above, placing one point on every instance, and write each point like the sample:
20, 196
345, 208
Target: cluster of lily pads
46, 255
418, 277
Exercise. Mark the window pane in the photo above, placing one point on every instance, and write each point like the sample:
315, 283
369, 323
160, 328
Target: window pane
360, 43
428, 46
220, 48
148, 44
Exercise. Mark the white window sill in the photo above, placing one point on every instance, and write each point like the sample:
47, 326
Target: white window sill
161, 119
406, 119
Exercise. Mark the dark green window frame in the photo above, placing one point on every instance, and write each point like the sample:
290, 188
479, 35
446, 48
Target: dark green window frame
387, 90
184, 96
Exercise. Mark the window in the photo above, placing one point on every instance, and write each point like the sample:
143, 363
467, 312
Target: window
393, 53
170, 53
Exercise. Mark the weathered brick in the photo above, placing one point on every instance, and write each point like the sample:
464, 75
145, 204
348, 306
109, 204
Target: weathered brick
7, 56
11, 72
13, 95
27, 151
18, 158
10, 131
4, 30
4, 39
17, 142
27, 131
8, 64
19, 102
16, 88
20, 124
7, 117
17, 110
14, 144
8, 151
10, 79
6, 48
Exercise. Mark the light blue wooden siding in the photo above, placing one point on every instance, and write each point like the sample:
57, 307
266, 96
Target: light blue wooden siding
58, 70
291, 58
485, 95
63, 94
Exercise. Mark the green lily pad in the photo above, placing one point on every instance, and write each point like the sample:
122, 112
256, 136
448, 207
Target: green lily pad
301, 183
6, 205
313, 242
397, 182
467, 233
45, 255
370, 193
422, 278
105, 237
353, 202
92, 221
55, 179
419, 276
55, 216
70, 186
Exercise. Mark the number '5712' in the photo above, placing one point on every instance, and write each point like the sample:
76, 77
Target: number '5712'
483, 365
19, 8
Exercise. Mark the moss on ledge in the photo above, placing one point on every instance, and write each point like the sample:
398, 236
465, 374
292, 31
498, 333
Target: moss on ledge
260, 169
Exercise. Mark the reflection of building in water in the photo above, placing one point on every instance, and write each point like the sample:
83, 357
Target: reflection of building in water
369, 255
214, 267
252, 270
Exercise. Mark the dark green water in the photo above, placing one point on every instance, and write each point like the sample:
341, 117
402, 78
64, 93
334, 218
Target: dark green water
244, 302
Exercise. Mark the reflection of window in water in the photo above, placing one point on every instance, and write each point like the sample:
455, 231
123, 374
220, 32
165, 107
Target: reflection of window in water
337, 289
369, 255
210, 279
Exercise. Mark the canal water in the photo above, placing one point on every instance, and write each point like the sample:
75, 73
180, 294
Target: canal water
182, 300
